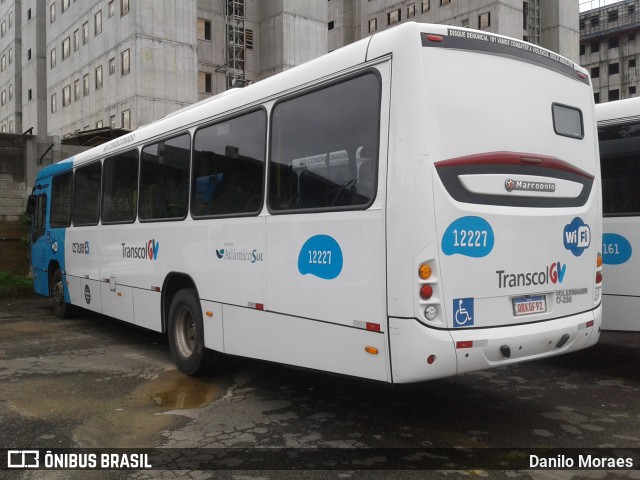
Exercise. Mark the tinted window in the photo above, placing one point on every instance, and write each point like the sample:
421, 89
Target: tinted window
228, 166
120, 190
86, 195
39, 217
567, 121
61, 191
620, 165
164, 179
324, 147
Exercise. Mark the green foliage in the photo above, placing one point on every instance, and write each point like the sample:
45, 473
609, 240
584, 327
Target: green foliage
8, 279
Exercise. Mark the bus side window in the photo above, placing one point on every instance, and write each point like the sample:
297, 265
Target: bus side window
86, 194
324, 148
61, 195
120, 188
229, 166
40, 218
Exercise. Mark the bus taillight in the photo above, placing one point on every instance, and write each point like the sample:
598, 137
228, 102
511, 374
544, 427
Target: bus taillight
598, 277
426, 291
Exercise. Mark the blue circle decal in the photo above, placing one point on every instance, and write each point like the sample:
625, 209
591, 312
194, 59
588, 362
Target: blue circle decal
616, 249
320, 256
469, 236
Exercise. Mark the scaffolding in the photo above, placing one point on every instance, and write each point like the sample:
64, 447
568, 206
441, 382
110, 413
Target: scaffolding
608, 19
532, 21
235, 43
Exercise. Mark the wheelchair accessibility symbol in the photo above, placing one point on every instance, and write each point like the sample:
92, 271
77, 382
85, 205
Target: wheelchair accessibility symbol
463, 312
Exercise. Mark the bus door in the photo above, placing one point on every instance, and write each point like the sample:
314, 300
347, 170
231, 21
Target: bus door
325, 234
40, 242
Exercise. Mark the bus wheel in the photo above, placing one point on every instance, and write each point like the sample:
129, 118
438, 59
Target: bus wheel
186, 334
61, 309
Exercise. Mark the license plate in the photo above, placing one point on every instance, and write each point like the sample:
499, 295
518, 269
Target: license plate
529, 305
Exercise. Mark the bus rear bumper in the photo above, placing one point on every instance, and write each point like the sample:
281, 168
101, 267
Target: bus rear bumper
488, 348
460, 351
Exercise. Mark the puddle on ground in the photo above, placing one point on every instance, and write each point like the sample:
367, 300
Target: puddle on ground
140, 419
112, 410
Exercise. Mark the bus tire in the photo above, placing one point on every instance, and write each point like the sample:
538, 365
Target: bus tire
186, 334
61, 309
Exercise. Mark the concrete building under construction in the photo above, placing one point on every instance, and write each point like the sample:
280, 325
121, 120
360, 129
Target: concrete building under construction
609, 49
69, 66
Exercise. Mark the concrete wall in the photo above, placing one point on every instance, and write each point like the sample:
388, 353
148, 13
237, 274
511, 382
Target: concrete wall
34, 78
559, 27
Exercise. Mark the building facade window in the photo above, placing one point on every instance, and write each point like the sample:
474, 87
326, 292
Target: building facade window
29, 95
582, 49
10, 56
614, 68
632, 91
411, 10
464, 23
66, 48
99, 124
632, 63
394, 17
85, 85
204, 82
10, 91
52, 58
97, 23
111, 8
54, 103
10, 126
248, 39
595, 72
484, 20
445, 2
426, 6
52, 12
76, 90
3, 28
112, 121
76, 40
10, 19
28, 54
65, 5
595, 46
112, 66
98, 77
373, 25
124, 7
126, 119
125, 62
614, 95
85, 33
66, 96
204, 29
3, 98
3, 63
613, 42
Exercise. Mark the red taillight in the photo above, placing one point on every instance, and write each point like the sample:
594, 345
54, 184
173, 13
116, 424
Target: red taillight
426, 291
434, 38
373, 327
464, 344
582, 75
598, 277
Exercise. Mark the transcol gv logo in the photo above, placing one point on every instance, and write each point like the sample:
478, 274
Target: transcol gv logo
554, 274
144, 252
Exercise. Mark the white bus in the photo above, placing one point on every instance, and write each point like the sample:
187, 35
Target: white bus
619, 133
421, 203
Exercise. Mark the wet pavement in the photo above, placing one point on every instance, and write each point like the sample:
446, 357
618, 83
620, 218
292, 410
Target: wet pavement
93, 382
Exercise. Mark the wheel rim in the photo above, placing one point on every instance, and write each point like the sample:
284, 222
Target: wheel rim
185, 332
58, 293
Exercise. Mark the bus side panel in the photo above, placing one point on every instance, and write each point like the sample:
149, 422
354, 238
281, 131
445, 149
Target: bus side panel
82, 262
146, 309
310, 344
621, 266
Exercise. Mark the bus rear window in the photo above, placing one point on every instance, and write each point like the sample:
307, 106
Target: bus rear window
567, 121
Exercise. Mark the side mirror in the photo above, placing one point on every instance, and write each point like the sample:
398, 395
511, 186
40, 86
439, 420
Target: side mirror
31, 205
